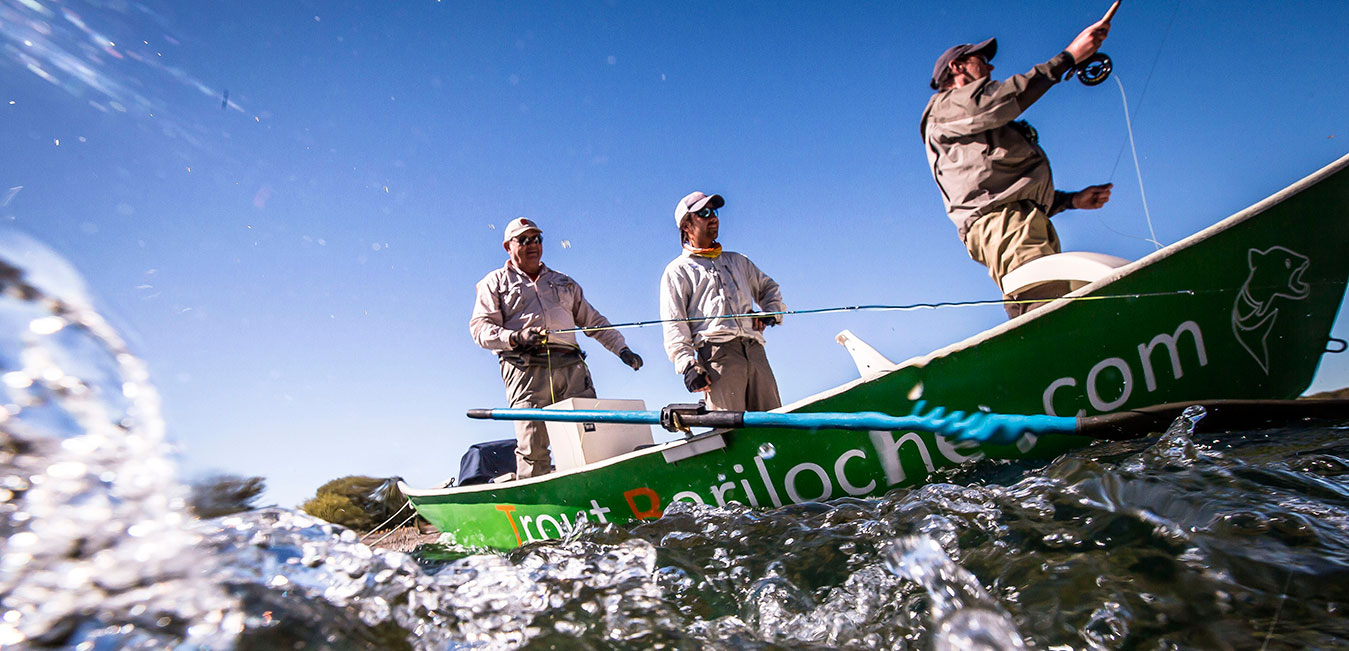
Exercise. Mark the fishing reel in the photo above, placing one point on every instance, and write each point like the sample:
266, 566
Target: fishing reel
1094, 70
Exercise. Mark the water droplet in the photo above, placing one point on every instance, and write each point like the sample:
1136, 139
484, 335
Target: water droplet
767, 451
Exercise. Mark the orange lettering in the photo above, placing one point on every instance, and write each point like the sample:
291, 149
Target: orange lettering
653, 500
507, 509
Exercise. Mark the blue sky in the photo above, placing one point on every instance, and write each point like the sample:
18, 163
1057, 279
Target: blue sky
297, 265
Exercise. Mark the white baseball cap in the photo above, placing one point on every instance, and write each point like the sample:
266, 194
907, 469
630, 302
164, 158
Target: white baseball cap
694, 202
520, 226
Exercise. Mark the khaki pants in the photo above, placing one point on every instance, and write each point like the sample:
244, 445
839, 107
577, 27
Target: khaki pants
1010, 237
740, 375
536, 384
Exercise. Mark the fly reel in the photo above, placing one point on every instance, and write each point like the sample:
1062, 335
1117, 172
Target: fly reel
1094, 70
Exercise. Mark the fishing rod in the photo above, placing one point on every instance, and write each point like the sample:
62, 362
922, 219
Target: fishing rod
1097, 67
911, 307
978, 427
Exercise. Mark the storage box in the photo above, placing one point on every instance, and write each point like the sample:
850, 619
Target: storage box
577, 444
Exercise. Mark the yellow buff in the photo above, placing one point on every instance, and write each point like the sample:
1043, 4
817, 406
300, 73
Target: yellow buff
710, 252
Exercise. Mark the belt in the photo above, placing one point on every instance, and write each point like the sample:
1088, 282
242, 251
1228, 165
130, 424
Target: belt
555, 357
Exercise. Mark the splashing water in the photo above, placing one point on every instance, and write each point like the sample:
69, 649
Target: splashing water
968, 618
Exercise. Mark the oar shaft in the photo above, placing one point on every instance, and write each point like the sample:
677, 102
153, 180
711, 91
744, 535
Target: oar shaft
977, 426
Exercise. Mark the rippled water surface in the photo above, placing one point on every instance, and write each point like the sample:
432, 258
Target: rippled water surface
1178, 540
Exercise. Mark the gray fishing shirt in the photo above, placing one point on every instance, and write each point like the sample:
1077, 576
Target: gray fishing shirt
508, 302
694, 286
982, 159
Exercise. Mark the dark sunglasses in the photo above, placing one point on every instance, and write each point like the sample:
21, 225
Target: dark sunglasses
707, 213
526, 240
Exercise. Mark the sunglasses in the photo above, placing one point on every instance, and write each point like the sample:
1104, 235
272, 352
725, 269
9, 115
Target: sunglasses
526, 240
707, 213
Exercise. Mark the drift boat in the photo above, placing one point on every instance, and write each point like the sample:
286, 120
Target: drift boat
1239, 311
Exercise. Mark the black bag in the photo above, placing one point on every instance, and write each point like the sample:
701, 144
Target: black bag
486, 461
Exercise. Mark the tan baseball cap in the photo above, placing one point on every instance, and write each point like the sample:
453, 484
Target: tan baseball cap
694, 202
519, 226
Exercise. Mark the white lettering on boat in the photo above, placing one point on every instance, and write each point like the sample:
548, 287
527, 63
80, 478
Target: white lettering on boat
563, 528
538, 522
767, 481
887, 450
744, 483
599, 511
827, 487
1125, 374
840, 471
688, 496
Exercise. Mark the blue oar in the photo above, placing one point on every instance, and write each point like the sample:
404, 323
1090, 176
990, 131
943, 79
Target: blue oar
979, 426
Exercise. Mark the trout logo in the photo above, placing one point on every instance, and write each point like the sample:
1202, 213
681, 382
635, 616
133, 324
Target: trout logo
1276, 273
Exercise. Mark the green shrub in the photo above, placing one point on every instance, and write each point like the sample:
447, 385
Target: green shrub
358, 502
338, 509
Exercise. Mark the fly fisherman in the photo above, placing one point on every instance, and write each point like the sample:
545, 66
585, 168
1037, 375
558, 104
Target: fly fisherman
517, 306
722, 356
993, 175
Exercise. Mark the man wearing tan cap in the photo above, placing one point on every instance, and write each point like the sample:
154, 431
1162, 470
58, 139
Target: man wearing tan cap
699, 291
993, 175
517, 309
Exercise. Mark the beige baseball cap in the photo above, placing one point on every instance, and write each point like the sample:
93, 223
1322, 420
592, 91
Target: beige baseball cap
519, 226
694, 202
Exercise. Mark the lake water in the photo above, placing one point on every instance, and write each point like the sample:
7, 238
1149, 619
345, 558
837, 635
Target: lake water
1178, 540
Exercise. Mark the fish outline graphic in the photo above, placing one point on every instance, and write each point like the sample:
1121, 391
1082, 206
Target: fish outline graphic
1276, 273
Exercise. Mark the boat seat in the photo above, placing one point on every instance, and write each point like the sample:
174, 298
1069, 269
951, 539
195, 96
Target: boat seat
1079, 268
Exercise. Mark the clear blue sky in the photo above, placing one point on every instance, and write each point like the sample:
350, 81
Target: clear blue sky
298, 266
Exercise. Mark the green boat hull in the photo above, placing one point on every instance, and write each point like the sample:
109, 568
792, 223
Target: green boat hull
1242, 310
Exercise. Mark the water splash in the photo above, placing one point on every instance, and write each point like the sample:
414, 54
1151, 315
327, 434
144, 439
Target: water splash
97, 543
967, 617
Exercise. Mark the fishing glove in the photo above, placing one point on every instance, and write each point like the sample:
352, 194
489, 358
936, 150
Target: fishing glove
695, 379
630, 358
766, 320
528, 339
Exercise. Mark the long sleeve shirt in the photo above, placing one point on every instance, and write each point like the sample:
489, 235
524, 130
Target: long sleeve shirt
982, 159
508, 302
695, 286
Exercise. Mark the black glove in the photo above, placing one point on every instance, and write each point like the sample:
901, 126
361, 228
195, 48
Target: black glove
528, 339
695, 379
630, 358
768, 320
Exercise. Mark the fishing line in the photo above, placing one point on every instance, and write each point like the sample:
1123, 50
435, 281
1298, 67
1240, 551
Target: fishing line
1138, 170
1128, 123
911, 307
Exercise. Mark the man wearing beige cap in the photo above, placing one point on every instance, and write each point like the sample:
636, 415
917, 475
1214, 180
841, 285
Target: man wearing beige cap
994, 177
518, 309
717, 353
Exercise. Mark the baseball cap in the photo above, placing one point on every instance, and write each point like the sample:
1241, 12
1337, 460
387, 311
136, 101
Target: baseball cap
520, 226
943, 70
694, 202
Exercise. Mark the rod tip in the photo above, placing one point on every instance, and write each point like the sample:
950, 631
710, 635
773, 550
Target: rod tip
481, 414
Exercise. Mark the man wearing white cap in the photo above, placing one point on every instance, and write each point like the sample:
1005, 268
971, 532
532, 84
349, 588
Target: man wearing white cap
717, 353
517, 309
994, 177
